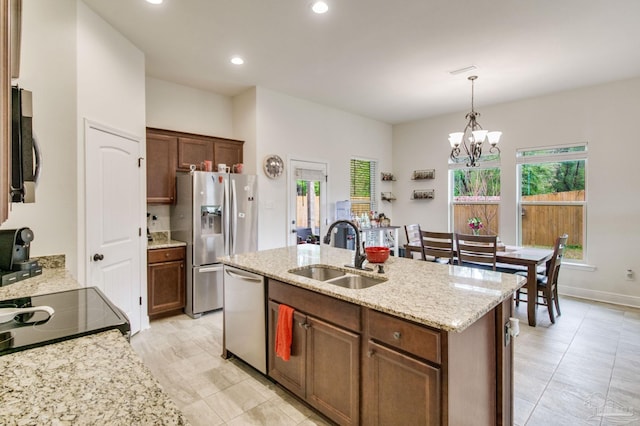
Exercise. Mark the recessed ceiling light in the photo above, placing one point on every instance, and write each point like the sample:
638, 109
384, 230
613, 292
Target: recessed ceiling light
320, 7
155, 1
237, 60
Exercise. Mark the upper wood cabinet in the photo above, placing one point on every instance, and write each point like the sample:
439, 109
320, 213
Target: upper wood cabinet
161, 170
227, 152
194, 151
168, 151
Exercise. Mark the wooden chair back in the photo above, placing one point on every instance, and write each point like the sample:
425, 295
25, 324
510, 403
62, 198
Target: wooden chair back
414, 241
553, 265
438, 245
476, 250
409, 250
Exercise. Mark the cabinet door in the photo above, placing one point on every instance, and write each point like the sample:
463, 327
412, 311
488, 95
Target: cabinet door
194, 151
399, 389
333, 371
166, 287
228, 153
290, 374
161, 168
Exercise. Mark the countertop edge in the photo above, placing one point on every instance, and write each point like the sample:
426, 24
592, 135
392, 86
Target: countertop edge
332, 291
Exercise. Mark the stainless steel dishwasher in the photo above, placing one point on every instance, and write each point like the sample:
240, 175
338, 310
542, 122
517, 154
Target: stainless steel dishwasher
245, 315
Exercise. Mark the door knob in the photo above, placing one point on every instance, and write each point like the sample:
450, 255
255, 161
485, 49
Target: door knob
97, 257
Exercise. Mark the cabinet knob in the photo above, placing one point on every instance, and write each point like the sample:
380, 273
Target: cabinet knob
304, 325
396, 335
370, 353
166, 255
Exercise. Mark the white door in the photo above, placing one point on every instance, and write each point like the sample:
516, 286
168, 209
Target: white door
307, 201
113, 194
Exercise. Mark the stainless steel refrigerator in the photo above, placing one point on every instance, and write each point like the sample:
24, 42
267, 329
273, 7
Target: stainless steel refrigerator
216, 214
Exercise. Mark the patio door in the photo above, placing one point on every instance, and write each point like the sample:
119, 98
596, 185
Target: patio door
307, 202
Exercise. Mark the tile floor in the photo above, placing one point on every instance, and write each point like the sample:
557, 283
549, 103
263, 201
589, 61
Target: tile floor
584, 370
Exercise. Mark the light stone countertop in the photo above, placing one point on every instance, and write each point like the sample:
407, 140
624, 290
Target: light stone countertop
96, 379
165, 244
446, 297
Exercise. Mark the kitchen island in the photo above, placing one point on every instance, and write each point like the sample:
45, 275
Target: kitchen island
96, 379
430, 345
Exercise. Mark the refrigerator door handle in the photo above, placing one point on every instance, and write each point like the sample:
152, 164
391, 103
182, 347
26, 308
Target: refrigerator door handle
210, 269
234, 216
243, 277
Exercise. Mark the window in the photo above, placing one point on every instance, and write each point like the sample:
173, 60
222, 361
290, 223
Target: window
475, 194
552, 197
363, 190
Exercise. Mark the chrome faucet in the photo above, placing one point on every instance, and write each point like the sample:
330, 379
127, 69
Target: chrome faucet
359, 258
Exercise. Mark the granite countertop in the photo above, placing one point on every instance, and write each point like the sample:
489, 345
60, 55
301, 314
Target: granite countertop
163, 240
96, 379
165, 244
446, 297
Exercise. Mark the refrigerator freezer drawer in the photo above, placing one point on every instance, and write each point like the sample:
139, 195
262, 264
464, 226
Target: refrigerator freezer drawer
245, 317
207, 288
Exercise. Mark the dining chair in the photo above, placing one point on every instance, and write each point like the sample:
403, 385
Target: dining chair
547, 285
477, 251
414, 241
438, 246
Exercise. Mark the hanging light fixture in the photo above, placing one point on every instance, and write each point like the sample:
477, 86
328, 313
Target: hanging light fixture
472, 137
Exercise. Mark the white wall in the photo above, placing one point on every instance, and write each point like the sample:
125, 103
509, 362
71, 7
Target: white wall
300, 129
175, 107
605, 116
48, 69
111, 92
185, 109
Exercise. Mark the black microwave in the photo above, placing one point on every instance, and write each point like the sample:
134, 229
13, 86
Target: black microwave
25, 155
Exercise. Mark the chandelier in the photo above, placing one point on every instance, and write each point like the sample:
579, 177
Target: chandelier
472, 137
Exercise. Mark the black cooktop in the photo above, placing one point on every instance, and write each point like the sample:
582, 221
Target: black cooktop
78, 312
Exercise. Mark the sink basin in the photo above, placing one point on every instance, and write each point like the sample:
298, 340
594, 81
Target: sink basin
356, 281
337, 277
320, 273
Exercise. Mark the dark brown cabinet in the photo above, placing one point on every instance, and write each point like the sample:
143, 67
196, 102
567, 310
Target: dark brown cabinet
165, 281
402, 387
360, 366
169, 151
194, 151
161, 170
324, 368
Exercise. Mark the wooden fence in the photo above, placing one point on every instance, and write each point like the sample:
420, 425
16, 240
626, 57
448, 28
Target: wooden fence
541, 224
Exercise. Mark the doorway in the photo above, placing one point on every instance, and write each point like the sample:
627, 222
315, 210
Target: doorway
307, 202
113, 217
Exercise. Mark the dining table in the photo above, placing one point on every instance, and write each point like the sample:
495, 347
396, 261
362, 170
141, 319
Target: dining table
511, 259
531, 258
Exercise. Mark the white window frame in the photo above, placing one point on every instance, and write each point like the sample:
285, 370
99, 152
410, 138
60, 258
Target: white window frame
373, 181
494, 164
553, 158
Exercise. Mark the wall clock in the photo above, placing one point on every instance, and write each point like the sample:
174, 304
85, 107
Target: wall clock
273, 166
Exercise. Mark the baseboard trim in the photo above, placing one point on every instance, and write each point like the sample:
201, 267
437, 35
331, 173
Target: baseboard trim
600, 296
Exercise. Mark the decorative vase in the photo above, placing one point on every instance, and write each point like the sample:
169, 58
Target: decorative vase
476, 231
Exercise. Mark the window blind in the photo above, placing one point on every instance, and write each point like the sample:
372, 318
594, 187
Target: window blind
363, 185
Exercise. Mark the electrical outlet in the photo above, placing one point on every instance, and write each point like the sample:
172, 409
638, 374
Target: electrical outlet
631, 276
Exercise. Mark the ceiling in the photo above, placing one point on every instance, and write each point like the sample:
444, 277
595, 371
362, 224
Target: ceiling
383, 59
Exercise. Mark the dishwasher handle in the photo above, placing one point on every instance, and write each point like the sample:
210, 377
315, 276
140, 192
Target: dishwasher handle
251, 277
210, 269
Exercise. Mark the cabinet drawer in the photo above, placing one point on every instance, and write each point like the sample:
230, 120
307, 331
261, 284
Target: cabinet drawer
339, 312
165, 255
404, 335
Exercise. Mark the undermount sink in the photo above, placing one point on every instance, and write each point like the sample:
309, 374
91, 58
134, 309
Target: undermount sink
356, 281
320, 273
337, 277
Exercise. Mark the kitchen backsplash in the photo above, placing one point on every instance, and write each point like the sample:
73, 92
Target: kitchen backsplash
162, 223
